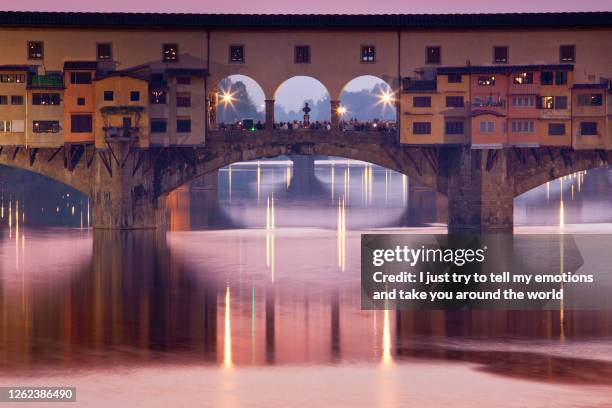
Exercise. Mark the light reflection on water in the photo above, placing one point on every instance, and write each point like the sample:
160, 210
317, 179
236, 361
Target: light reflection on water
265, 272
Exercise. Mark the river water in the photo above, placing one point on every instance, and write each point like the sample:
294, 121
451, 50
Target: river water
252, 298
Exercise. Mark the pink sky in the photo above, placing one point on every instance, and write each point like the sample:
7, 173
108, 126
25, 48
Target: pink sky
312, 6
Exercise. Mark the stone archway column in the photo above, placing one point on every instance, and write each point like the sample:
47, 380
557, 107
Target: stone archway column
480, 191
124, 192
269, 114
335, 116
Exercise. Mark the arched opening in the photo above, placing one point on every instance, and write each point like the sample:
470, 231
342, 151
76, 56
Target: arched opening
302, 102
367, 103
30, 199
582, 197
237, 102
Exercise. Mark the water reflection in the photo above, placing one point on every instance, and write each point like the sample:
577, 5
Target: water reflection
258, 274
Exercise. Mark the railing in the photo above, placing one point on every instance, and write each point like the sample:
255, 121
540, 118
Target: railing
489, 104
123, 132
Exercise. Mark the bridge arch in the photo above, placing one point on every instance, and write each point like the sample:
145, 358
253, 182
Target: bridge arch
290, 95
367, 97
67, 165
232, 147
236, 97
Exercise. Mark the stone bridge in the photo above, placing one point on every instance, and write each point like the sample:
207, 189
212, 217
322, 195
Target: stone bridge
128, 185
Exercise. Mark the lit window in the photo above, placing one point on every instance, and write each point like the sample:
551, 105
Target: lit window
567, 53
432, 55
500, 55
523, 78
105, 51
35, 50
170, 53
368, 53
45, 126
486, 80
236, 53
158, 97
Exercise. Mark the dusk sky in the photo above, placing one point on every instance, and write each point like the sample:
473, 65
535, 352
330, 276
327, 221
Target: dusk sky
313, 6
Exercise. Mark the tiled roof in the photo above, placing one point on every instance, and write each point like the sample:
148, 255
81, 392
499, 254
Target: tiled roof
502, 69
81, 65
357, 21
17, 67
109, 74
196, 72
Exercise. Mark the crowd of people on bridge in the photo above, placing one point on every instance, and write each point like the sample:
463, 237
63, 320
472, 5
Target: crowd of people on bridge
375, 125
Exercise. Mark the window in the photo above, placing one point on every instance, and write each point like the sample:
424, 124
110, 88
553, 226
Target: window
556, 129
12, 78
560, 78
453, 128
35, 50
302, 54
454, 102
80, 123
500, 55
183, 99
183, 80
236, 53
5, 125
104, 51
523, 126
432, 55
421, 128
590, 99
183, 125
486, 127
80, 77
560, 102
109, 95
45, 99
3, 100
486, 80
16, 100
454, 78
45, 126
134, 96
170, 53
421, 101
158, 97
567, 53
588, 128
523, 101
368, 53
80, 101
523, 78
546, 78
159, 126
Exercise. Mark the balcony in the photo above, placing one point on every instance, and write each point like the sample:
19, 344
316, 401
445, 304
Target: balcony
49, 81
122, 133
489, 103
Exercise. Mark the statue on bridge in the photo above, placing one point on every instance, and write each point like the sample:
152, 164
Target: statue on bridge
306, 109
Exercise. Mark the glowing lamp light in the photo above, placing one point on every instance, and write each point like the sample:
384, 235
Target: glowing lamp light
341, 110
386, 98
227, 98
